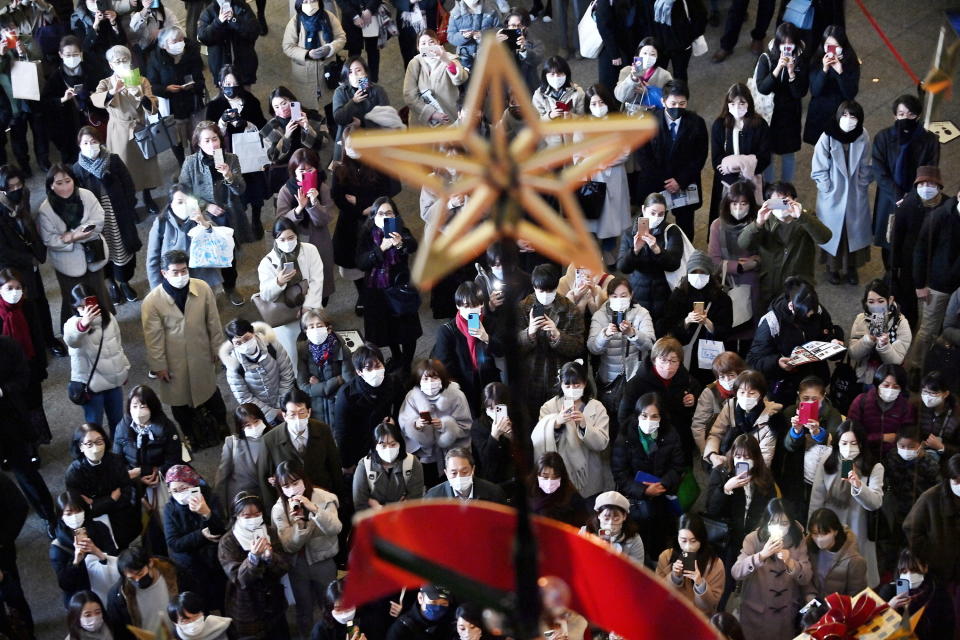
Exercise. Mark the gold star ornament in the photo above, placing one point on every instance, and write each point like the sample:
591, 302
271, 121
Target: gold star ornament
506, 180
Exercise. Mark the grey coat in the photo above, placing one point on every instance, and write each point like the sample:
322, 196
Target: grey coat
842, 182
618, 353
263, 381
112, 368
237, 459
166, 234
387, 487
335, 372
318, 539
68, 258
198, 178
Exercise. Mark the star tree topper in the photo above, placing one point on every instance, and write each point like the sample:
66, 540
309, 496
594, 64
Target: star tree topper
505, 179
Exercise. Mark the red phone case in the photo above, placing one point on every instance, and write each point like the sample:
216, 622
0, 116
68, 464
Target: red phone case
563, 106
808, 411
309, 182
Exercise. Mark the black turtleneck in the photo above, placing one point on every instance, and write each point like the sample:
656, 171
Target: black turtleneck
179, 295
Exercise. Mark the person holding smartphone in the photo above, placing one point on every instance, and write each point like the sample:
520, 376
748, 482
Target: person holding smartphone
229, 29
640, 83
914, 587
691, 566
469, 19
312, 38
880, 334
492, 434
748, 412
175, 70
850, 481
356, 96
834, 556
84, 555
813, 427
147, 19
432, 81
98, 27
558, 96
834, 77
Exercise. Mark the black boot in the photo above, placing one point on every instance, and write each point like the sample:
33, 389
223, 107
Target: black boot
114, 292
57, 347
257, 224
151, 206
264, 29
128, 292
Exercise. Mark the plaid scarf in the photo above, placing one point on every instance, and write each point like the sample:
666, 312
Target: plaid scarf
379, 277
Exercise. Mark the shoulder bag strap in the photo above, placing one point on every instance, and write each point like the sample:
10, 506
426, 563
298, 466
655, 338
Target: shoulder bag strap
96, 360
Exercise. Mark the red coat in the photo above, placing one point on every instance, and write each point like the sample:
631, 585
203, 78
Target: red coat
865, 409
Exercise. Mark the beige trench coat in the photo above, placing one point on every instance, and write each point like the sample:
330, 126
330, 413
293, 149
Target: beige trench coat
185, 344
126, 115
304, 70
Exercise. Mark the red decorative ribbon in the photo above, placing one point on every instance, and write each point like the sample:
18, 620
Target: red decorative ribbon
845, 617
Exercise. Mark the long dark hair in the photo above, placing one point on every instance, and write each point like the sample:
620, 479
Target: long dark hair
81, 292
388, 429
738, 90
331, 595
571, 373
9, 171
552, 460
824, 520
838, 33
81, 432
693, 523
369, 223
75, 608
864, 461
776, 508
738, 190
247, 411
287, 472
555, 64
760, 475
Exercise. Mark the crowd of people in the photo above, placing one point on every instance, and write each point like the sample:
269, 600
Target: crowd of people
701, 412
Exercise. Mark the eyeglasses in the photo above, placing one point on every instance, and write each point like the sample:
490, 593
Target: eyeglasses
670, 361
93, 443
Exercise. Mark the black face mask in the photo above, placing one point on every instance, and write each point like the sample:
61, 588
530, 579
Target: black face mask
906, 127
676, 113
144, 582
230, 92
15, 196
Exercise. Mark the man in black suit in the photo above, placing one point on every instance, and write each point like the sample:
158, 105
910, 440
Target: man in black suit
307, 440
673, 159
461, 481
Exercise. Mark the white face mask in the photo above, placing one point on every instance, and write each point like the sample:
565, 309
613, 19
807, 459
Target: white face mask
878, 309
297, 426
287, 246
387, 454
690, 547
11, 296
462, 484
466, 311
121, 68
497, 272
849, 451
787, 49
373, 377
431, 387
698, 280
176, 48
649, 427
344, 616
74, 520
739, 211
192, 629
648, 61
847, 124
737, 111
317, 335
907, 454
825, 541
619, 304
251, 524
915, 579
90, 151
572, 393
255, 431
548, 485
72, 62
91, 623
654, 220
926, 192
178, 282
95, 454
249, 348
599, 111
727, 383
888, 395
310, 9
546, 298
180, 210
143, 417
746, 402
295, 489
930, 400
181, 497
556, 81
612, 528
781, 214
777, 531
955, 487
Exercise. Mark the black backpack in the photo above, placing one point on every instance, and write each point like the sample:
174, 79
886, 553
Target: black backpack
844, 386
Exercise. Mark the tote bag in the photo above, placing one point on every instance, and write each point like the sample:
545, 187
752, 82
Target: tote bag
590, 40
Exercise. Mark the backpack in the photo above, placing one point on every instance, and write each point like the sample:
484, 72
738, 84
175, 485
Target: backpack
844, 386
406, 467
674, 277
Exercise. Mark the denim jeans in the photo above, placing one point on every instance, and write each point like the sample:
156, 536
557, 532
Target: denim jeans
788, 165
110, 401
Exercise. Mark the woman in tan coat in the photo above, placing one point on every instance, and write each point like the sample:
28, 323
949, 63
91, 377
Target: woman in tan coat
431, 83
692, 567
312, 38
127, 107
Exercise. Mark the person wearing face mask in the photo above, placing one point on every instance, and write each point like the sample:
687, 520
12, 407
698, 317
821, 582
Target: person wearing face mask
740, 144
879, 335
97, 358
254, 560
282, 135
700, 331
431, 82
748, 412
258, 367
585, 289
552, 494
106, 176
140, 597
127, 108
462, 482
187, 612
505, 284
469, 354
850, 482
834, 556
85, 617
726, 367
575, 425
365, 621
885, 408
468, 20
312, 38
171, 231
324, 363
834, 77
350, 102
492, 434
307, 524
102, 476
923, 590
558, 96
388, 473
175, 70
193, 522
229, 29
640, 83
703, 584
806, 445
83, 554
841, 169
898, 151
650, 450
937, 417
182, 331
795, 318
98, 30
431, 616
147, 18
775, 570
910, 215
675, 27
612, 524
243, 461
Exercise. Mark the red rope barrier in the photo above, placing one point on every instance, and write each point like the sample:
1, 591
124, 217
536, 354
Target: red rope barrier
886, 41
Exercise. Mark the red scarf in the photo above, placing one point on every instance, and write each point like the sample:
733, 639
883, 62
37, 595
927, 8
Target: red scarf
724, 394
666, 381
15, 326
471, 341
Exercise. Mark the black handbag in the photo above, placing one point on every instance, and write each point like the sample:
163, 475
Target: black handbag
717, 531
844, 386
154, 138
403, 299
332, 71
79, 392
94, 251
592, 196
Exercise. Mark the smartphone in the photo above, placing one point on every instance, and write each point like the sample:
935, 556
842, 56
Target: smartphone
643, 226
296, 112
193, 491
698, 307
425, 415
155, 4
742, 468
187, 80
91, 301
832, 49
78, 89
288, 267
808, 411
777, 204
618, 317
310, 182
637, 62
846, 466
391, 225
688, 560
363, 84
580, 278
81, 533
903, 586
88, 228
563, 106
500, 410
103, 5
217, 157
538, 310
567, 403
473, 321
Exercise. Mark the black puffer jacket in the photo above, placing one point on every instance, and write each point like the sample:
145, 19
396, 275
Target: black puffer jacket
159, 449
97, 482
162, 72
358, 409
645, 269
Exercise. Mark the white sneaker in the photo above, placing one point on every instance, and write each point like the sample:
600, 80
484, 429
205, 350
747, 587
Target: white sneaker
547, 19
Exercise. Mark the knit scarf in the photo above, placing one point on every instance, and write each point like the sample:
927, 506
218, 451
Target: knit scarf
290, 257
322, 352
379, 277
15, 326
648, 442
245, 537
317, 24
471, 341
69, 209
97, 165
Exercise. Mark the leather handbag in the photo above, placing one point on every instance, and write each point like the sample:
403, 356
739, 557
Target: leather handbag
79, 392
592, 195
286, 308
403, 299
154, 138
717, 531
94, 250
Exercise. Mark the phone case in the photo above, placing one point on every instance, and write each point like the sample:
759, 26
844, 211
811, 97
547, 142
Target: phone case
296, 112
391, 225
808, 411
309, 182
473, 321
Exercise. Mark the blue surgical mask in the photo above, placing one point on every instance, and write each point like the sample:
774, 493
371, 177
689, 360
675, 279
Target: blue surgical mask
434, 612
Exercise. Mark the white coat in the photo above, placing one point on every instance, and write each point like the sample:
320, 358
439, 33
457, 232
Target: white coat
453, 411
581, 448
311, 268
113, 368
842, 199
68, 258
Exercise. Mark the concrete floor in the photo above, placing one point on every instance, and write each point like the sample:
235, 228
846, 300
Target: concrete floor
912, 27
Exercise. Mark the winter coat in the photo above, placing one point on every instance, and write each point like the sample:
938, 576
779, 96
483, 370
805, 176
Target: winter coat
714, 579
664, 460
540, 359
866, 355
771, 595
463, 19
617, 25
127, 114
255, 596
263, 380
389, 486
620, 354
785, 250
910, 216
481, 490
97, 483
730, 422
582, 446
631, 547
96, 42
923, 149
937, 621
634, 97
709, 404
366, 185
197, 176
195, 555
493, 455
380, 324
68, 258
753, 139
936, 263
143, 31
167, 233
184, 343
944, 424
312, 222
304, 70
814, 451
163, 71
231, 42
310, 266
688, 21
876, 421
785, 123
847, 574
122, 608
645, 269
672, 393
320, 460
21, 247
932, 528
432, 443
422, 76
842, 173
237, 463
159, 449
719, 310
112, 369
724, 249
64, 119
733, 509
663, 158
318, 539
358, 409
851, 506
332, 374
345, 110
117, 185
827, 90
545, 100
77, 577
452, 350
904, 481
